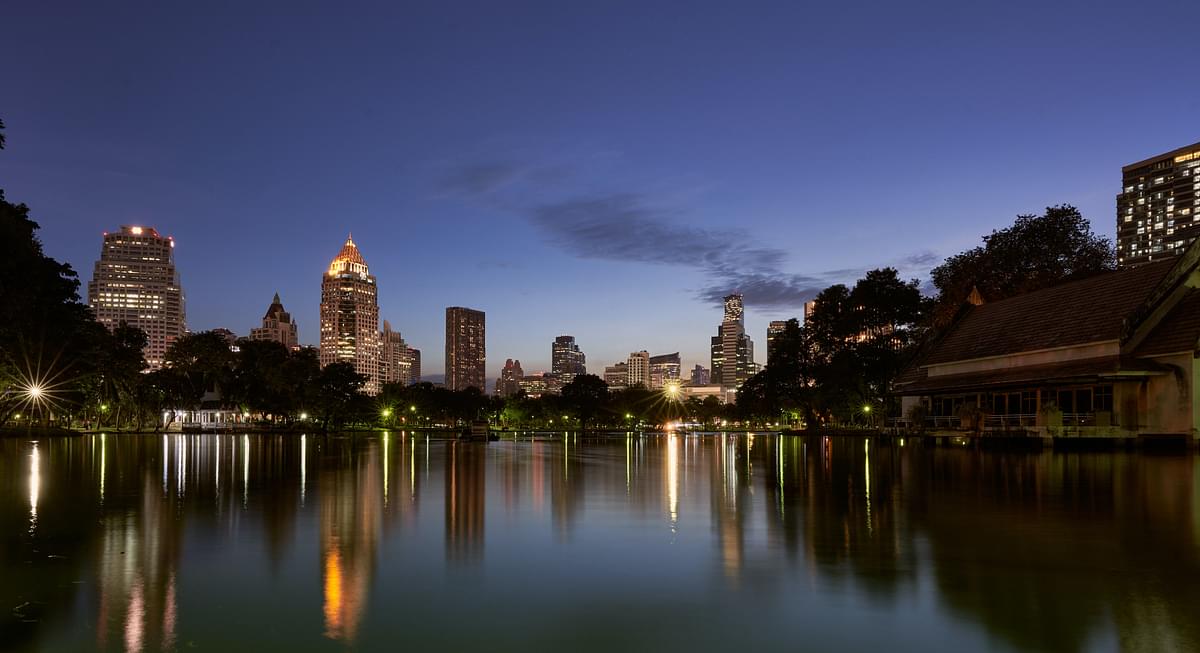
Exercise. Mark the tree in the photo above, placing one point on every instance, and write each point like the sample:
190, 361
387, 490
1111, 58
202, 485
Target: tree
47, 336
1036, 252
339, 387
206, 363
585, 396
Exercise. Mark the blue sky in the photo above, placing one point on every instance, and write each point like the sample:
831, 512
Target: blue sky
596, 169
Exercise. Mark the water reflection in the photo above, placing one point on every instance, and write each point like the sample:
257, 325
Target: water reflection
150, 543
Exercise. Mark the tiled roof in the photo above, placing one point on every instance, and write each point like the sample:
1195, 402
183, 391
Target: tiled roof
1073, 313
1178, 332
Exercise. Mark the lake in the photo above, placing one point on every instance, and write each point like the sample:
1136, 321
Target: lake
570, 542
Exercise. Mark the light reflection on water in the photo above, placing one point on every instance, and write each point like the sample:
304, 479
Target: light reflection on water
631, 542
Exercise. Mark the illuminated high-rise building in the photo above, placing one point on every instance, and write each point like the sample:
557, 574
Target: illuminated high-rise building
465, 349
638, 369
135, 282
509, 382
395, 360
414, 364
277, 325
774, 330
566, 360
664, 369
350, 315
1158, 208
616, 376
732, 350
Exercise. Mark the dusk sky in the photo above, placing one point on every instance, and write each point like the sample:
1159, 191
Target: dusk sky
605, 170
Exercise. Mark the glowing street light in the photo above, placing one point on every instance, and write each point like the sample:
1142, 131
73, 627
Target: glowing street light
412, 409
35, 392
303, 416
867, 408
386, 412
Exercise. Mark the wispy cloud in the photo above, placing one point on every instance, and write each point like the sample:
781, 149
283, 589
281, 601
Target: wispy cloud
482, 178
630, 227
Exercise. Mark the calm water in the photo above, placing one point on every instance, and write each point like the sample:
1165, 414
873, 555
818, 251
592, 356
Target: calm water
230, 543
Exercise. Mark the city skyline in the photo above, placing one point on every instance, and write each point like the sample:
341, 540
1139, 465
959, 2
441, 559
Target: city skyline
725, 154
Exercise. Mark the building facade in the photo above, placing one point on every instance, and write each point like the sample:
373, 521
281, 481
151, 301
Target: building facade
637, 370
566, 360
135, 282
700, 375
277, 326
465, 349
732, 350
1158, 208
509, 382
664, 369
350, 315
414, 364
616, 376
395, 364
774, 330
535, 385
1049, 363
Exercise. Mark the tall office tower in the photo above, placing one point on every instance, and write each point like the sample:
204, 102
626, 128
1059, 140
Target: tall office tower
774, 330
734, 309
638, 369
414, 364
616, 376
395, 366
664, 369
509, 382
700, 376
350, 315
135, 282
732, 350
277, 325
1158, 208
566, 360
465, 349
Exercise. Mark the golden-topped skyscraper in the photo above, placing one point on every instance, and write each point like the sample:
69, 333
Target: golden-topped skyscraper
350, 315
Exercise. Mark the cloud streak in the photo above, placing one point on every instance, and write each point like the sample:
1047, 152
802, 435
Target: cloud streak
629, 227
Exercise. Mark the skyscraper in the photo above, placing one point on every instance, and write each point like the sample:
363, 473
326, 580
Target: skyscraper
664, 369
395, 363
566, 360
414, 364
509, 382
731, 349
277, 325
1158, 208
350, 315
465, 348
700, 376
135, 282
774, 330
638, 370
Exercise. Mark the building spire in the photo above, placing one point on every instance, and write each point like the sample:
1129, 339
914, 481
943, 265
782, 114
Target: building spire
276, 300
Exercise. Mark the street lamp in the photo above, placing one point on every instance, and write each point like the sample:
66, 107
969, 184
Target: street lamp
387, 412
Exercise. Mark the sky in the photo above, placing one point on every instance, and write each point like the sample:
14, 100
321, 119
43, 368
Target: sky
604, 170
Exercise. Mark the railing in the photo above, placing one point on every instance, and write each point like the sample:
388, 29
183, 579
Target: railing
1018, 420
1009, 421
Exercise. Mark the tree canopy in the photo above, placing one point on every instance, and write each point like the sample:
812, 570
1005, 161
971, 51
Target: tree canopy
1036, 252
